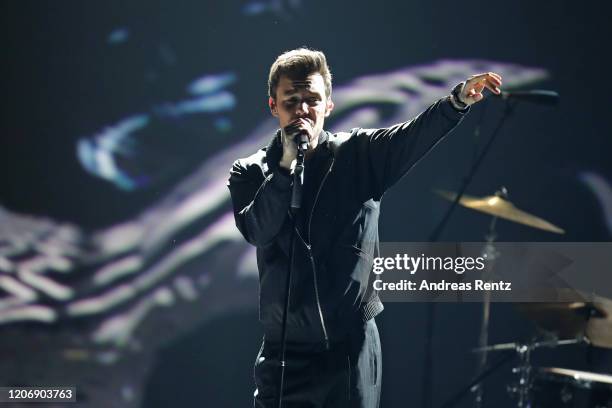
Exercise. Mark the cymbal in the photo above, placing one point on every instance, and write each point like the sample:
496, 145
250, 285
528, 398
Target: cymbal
533, 345
591, 318
502, 208
583, 376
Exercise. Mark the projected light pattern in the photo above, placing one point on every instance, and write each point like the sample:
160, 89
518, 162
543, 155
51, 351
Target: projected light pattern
602, 189
128, 152
113, 297
118, 35
128, 249
280, 8
219, 102
210, 84
99, 153
392, 97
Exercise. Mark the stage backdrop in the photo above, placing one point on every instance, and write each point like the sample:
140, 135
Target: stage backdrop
121, 270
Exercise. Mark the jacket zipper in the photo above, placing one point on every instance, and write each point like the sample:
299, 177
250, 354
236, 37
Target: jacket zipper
314, 273
317, 196
316, 289
312, 262
349, 376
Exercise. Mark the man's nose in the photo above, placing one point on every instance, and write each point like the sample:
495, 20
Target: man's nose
302, 108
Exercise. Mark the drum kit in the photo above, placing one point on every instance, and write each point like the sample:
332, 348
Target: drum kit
560, 323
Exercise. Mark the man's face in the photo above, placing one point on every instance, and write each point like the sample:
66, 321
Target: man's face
302, 99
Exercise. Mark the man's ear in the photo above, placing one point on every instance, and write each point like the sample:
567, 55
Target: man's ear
273, 107
329, 107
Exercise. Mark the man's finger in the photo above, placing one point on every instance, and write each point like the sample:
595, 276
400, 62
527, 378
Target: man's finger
493, 87
488, 76
494, 81
477, 97
496, 75
476, 88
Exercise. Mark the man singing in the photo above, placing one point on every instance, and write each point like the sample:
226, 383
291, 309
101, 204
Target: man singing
333, 356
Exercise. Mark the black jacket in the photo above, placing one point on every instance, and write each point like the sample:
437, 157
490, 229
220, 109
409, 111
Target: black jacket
338, 228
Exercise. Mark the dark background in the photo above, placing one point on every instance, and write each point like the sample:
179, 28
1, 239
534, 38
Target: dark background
63, 81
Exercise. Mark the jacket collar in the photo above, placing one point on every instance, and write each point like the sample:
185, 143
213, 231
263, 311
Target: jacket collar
274, 150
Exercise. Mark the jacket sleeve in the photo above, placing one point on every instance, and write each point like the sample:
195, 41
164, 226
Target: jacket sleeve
260, 208
393, 151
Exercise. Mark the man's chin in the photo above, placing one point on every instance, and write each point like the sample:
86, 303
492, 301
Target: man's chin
314, 142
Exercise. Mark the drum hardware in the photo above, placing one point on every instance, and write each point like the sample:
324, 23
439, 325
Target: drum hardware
565, 388
479, 156
523, 351
560, 387
492, 255
457, 397
499, 206
522, 388
590, 317
584, 378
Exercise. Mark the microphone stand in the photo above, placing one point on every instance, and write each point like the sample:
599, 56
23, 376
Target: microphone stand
296, 203
468, 178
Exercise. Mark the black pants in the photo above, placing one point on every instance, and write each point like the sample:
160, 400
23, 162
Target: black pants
346, 376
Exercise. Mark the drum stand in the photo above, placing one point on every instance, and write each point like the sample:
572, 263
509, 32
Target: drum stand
491, 254
524, 371
522, 387
523, 351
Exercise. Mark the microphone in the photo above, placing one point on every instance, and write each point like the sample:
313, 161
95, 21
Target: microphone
301, 140
537, 96
299, 136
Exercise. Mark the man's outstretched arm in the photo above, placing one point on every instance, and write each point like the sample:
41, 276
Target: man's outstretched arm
393, 151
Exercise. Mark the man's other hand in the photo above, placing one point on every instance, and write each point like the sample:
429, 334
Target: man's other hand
472, 91
288, 134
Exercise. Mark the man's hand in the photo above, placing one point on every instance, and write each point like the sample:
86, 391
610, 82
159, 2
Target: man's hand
472, 91
289, 147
